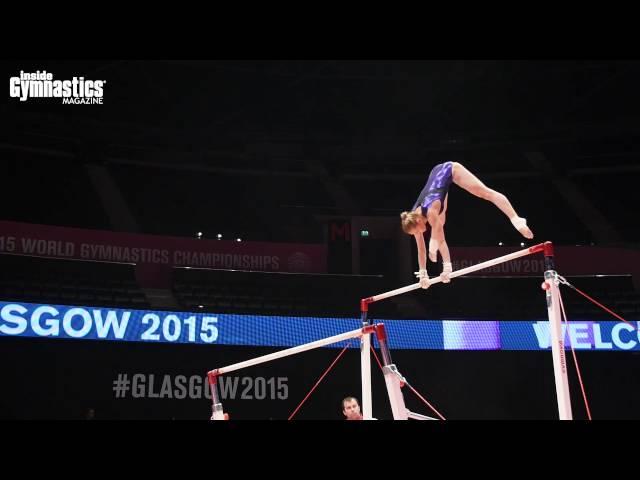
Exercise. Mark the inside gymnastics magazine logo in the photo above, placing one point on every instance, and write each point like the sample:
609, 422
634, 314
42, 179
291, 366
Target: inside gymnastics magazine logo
42, 85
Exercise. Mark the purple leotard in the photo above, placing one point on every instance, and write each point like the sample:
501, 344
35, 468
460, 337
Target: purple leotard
436, 188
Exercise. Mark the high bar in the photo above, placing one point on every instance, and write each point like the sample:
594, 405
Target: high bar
474, 268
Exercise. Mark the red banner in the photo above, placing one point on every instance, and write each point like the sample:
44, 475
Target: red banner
76, 243
568, 261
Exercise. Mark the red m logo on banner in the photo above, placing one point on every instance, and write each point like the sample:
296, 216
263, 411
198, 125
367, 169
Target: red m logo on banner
340, 231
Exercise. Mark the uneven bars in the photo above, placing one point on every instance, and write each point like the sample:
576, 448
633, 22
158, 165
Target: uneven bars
480, 266
294, 350
417, 416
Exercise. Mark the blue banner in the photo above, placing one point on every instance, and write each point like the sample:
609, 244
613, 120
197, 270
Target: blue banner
113, 324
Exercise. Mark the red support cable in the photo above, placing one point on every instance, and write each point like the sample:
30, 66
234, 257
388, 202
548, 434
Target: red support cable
375, 355
425, 401
319, 380
602, 306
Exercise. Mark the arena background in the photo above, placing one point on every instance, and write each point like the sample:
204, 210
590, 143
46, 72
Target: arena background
274, 188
